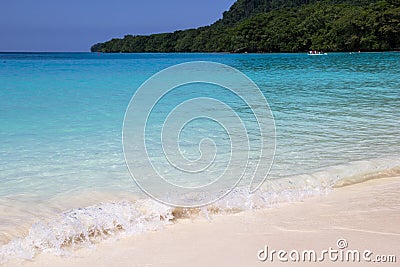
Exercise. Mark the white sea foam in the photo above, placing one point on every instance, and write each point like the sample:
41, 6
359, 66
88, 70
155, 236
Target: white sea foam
84, 227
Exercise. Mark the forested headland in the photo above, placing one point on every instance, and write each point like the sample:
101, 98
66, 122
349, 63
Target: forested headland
260, 26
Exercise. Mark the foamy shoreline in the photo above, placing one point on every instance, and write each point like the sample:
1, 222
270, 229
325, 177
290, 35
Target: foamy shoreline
365, 214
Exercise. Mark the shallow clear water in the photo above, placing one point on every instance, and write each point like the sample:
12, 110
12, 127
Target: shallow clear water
61, 117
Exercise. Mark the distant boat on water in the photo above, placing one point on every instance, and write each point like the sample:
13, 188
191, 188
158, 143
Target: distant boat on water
316, 53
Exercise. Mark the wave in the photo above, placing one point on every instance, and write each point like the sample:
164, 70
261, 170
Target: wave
364, 177
87, 226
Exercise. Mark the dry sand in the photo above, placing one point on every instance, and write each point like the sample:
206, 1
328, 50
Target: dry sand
367, 215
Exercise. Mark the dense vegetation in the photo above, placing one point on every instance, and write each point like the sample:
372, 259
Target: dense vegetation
281, 26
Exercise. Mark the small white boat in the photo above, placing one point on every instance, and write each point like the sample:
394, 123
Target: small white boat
317, 53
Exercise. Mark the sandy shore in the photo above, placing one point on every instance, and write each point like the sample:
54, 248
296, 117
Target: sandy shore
366, 215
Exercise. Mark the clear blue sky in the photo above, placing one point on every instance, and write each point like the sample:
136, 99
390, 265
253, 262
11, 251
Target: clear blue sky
74, 25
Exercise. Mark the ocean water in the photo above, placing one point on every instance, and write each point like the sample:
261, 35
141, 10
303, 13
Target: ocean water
63, 177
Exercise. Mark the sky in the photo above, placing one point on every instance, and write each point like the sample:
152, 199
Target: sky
75, 25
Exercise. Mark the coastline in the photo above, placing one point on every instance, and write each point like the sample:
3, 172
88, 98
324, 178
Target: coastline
365, 214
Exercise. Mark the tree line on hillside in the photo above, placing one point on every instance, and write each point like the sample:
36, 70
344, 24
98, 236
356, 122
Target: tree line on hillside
281, 26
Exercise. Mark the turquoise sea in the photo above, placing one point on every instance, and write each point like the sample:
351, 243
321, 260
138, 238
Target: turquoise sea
63, 177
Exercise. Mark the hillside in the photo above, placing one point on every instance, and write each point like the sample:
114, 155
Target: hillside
281, 26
